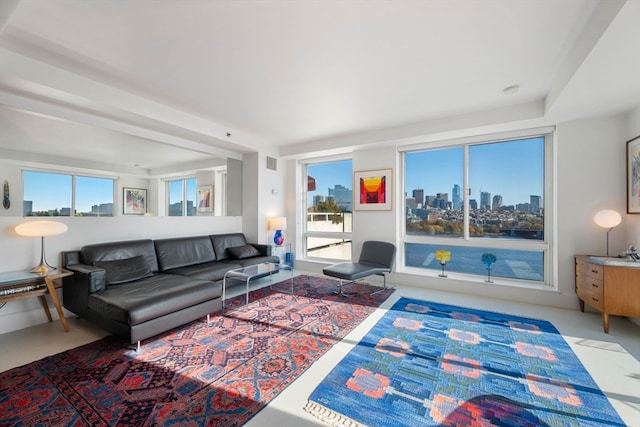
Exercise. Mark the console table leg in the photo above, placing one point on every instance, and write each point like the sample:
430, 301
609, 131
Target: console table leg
605, 322
54, 297
43, 301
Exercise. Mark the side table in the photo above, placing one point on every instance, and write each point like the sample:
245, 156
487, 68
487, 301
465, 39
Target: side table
280, 251
17, 285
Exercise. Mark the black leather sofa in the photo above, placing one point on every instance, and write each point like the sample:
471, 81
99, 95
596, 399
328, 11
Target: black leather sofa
139, 288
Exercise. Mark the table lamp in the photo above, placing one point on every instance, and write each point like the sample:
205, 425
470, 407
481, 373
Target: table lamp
607, 218
41, 229
278, 224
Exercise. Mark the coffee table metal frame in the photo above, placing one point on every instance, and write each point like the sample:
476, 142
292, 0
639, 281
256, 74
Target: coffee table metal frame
252, 272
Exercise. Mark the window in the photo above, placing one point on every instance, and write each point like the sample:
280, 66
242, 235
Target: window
181, 197
478, 197
327, 204
57, 194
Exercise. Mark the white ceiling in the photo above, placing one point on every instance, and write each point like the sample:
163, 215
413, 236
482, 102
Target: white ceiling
219, 78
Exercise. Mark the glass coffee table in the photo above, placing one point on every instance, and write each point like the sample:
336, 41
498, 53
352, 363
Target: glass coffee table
252, 272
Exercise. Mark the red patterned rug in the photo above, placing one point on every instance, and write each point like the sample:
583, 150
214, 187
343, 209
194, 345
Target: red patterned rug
216, 374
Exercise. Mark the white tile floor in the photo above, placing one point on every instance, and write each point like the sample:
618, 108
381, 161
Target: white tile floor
612, 359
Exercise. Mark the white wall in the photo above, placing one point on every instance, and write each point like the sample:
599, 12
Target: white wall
376, 225
591, 177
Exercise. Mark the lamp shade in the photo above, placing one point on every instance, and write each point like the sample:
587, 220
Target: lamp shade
277, 223
607, 218
41, 228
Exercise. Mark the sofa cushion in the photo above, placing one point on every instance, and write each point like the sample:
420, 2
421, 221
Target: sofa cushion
184, 251
242, 252
221, 242
125, 270
152, 297
120, 250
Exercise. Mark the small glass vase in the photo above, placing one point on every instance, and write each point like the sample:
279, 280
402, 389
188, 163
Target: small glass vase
489, 275
442, 274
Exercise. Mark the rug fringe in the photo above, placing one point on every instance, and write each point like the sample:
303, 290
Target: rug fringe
330, 417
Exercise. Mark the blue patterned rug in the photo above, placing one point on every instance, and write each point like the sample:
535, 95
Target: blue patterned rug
433, 364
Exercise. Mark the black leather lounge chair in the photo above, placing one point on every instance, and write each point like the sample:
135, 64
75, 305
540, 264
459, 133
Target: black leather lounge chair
376, 258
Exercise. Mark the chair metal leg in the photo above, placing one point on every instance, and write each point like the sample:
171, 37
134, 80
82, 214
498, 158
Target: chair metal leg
384, 288
340, 291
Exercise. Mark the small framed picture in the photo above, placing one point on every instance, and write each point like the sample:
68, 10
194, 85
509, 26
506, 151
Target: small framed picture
373, 190
134, 201
633, 175
205, 198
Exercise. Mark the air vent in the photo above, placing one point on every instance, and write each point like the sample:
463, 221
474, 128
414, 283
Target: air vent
272, 163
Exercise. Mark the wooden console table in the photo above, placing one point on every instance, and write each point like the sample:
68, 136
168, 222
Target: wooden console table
611, 289
23, 284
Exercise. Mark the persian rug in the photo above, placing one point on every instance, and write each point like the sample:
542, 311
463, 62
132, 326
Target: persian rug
219, 373
427, 364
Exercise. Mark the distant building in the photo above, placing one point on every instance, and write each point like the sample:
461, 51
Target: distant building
442, 200
27, 207
497, 202
343, 197
410, 202
535, 203
418, 196
175, 209
456, 195
103, 209
485, 200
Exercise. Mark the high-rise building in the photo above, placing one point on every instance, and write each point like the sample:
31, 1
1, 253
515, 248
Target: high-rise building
342, 196
497, 202
442, 200
410, 202
485, 200
418, 196
535, 203
456, 195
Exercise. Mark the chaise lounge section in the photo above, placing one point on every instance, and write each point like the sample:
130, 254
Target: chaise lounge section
139, 288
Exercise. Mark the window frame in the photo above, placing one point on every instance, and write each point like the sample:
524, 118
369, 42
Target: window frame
546, 245
306, 234
73, 198
185, 199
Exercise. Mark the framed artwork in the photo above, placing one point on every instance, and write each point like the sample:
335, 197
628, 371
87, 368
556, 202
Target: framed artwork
633, 175
205, 198
134, 201
372, 190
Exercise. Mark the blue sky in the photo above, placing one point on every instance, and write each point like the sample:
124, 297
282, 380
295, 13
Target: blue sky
53, 191
514, 170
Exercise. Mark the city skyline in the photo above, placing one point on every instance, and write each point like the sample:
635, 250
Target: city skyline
493, 170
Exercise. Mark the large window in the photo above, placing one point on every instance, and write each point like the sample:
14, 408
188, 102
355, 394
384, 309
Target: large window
328, 201
181, 197
480, 197
57, 194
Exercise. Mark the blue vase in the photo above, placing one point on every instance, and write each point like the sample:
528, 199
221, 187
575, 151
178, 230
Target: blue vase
278, 238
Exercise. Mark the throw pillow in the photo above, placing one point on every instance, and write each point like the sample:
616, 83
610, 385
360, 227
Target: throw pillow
242, 252
125, 270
